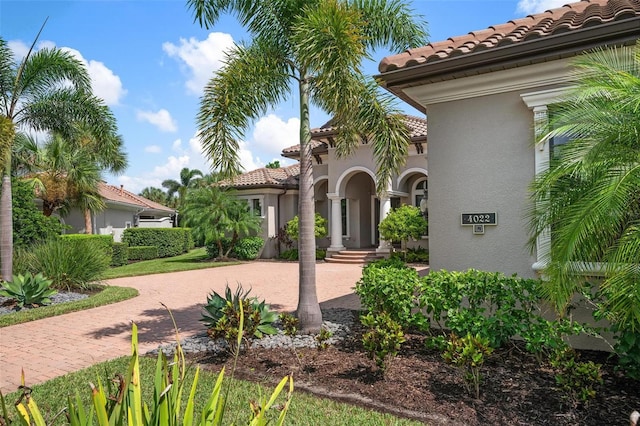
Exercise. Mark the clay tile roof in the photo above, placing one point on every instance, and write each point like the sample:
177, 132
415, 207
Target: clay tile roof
265, 177
573, 16
121, 195
417, 130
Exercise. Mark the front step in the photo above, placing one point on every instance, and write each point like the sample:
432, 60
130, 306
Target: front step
354, 256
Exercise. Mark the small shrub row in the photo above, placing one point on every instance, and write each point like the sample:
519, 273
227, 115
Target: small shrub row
142, 253
120, 254
169, 241
247, 248
292, 254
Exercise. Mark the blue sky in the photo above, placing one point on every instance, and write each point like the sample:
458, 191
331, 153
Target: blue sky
149, 61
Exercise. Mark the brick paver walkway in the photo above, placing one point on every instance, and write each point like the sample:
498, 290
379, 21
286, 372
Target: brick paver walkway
55, 346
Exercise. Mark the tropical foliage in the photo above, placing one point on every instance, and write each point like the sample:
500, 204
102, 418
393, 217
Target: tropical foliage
588, 198
314, 48
47, 90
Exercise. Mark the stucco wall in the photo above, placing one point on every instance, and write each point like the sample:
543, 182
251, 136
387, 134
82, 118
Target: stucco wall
480, 163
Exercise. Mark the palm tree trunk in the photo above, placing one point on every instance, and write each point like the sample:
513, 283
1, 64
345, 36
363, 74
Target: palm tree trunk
308, 311
88, 227
6, 227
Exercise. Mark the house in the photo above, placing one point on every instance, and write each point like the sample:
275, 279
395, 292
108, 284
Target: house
123, 210
486, 95
345, 192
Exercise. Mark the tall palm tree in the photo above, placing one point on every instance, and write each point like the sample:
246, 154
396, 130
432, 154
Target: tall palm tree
316, 47
49, 90
188, 179
589, 198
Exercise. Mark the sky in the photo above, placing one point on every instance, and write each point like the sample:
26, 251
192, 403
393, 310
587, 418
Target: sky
150, 61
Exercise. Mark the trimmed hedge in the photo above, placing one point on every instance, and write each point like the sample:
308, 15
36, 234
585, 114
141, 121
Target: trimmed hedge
169, 241
142, 252
120, 254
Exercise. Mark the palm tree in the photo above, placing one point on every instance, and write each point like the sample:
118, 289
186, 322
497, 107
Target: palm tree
188, 179
589, 199
49, 90
319, 46
154, 194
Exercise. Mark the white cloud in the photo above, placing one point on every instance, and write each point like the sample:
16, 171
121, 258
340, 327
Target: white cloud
161, 119
105, 84
271, 133
537, 6
169, 170
201, 57
247, 160
154, 149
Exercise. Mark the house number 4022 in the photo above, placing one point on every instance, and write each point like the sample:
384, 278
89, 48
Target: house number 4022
478, 218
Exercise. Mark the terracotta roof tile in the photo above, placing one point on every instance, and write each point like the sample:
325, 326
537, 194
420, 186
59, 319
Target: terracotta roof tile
573, 16
417, 129
121, 195
266, 177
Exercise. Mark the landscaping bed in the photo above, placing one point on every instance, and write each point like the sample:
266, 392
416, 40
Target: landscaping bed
516, 389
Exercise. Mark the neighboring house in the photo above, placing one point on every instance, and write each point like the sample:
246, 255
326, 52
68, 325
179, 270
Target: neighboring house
486, 94
123, 210
344, 190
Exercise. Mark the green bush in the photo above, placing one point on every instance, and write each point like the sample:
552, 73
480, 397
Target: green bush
389, 286
72, 264
468, 353
320, 227
413, 255
102, 242
30, 226
212, 248
490, 305
383, 338
142, 253
28, 290
169, 241
248, 248
120, 254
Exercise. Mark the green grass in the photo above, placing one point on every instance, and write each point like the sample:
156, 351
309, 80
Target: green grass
195, 259
305, 409
108, 295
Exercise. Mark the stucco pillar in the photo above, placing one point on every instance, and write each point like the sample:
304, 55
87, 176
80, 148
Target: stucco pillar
336, 224
384, 247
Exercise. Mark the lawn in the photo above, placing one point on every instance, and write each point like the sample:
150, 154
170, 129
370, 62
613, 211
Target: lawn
304, 410
195, 259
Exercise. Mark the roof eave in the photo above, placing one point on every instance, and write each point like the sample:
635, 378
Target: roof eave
514, 55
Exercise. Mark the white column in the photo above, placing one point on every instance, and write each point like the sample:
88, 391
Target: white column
384, 247
336, 223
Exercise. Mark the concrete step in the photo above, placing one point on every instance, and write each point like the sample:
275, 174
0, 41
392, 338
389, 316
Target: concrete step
354, 256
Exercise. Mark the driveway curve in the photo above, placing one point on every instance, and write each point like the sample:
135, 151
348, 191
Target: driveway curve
55, 346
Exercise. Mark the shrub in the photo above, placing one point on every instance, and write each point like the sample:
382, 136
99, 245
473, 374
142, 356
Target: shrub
28, 289
578, 380
383, 339
120, 254
169, 241
30, 226
487, 304
72, 264
468, 353
100, 242
320, 227
213, 251
142, 252
403, 223
292, 254
413, 255
390, 286
222, 315
248, 248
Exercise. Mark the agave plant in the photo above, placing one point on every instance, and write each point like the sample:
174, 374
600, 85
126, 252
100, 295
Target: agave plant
222, 315
28, 289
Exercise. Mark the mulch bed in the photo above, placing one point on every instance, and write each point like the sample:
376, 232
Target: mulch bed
418, 384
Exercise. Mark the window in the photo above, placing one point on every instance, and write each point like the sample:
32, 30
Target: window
256, 206
344, 212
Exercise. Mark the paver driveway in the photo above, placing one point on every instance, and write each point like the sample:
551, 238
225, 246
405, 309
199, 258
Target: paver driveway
55, 346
